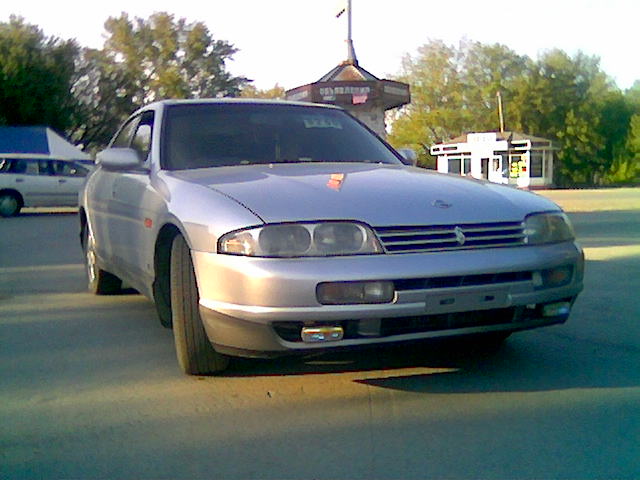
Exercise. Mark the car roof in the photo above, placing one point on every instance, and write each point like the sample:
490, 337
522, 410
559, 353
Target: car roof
260, 101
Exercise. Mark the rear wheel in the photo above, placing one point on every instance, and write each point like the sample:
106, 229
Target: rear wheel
10, 205
195, 353
99, 281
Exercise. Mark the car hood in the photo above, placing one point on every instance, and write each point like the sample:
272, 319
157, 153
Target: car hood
380, 195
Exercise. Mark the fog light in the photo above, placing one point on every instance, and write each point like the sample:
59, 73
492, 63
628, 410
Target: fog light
556, 309
345, 293
321, 334
537, 279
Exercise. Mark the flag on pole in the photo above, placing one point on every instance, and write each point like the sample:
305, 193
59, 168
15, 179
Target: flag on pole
341, 7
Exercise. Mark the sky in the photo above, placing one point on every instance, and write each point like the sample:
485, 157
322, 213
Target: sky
295, 42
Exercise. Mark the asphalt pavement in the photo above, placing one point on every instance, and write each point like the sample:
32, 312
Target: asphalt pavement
90, 387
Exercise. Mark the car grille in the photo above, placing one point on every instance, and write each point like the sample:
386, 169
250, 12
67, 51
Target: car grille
437, 238
462, 281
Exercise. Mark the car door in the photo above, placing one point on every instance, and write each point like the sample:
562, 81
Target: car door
100, 212
70, 177
133, 204
33, 179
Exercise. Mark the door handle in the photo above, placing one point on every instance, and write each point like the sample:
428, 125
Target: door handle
19, 180
62, 180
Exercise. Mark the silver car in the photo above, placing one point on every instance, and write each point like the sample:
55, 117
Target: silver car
39, 182
267, 228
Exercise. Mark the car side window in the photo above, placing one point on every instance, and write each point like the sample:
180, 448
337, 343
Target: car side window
24, 167
16, 166
142, 138
69, 169
124, 137
45, 167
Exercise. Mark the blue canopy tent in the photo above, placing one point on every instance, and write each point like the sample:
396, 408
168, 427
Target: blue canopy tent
38, 142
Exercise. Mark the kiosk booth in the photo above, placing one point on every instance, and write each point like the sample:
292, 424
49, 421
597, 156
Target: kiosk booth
502, 157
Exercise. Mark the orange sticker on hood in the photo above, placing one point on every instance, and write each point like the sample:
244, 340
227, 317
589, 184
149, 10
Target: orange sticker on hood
336, 180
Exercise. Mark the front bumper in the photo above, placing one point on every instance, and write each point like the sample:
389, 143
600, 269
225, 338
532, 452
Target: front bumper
251, 306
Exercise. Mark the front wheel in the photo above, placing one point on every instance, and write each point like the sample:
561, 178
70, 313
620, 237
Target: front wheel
99, 281
195, 353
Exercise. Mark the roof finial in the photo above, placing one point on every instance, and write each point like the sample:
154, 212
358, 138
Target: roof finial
351, 52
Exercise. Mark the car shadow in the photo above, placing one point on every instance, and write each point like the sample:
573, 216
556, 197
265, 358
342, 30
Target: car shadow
528, 362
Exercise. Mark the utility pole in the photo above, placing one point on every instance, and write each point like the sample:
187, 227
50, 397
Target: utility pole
500, 115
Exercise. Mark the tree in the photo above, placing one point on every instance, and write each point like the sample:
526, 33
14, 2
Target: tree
570, 100
453, 91
103, 90
626, 164
566, 99
633, 141
36, 73
168, 58
632, 97
435, 112
276, 92
613, 127
144, 60
486, 70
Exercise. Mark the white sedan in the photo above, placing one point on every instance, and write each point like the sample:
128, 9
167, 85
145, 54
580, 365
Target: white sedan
33, 182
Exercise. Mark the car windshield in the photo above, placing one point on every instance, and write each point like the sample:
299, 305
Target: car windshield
213, 135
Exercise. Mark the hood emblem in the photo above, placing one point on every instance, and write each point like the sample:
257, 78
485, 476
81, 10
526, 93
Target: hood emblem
441, 204
460, 236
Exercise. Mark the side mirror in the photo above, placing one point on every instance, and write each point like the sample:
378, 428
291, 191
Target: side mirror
409, 155
119, 159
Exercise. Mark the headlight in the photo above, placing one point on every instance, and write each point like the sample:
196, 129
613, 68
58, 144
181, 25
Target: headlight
301, 240
547, 228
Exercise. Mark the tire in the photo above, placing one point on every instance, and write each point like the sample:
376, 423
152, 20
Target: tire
162, 283
10, 205
162, 301
196, 355
99, 281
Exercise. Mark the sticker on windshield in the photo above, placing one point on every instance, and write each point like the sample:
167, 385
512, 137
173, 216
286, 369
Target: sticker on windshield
320, 121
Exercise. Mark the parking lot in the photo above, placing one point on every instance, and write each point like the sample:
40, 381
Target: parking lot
90, 387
